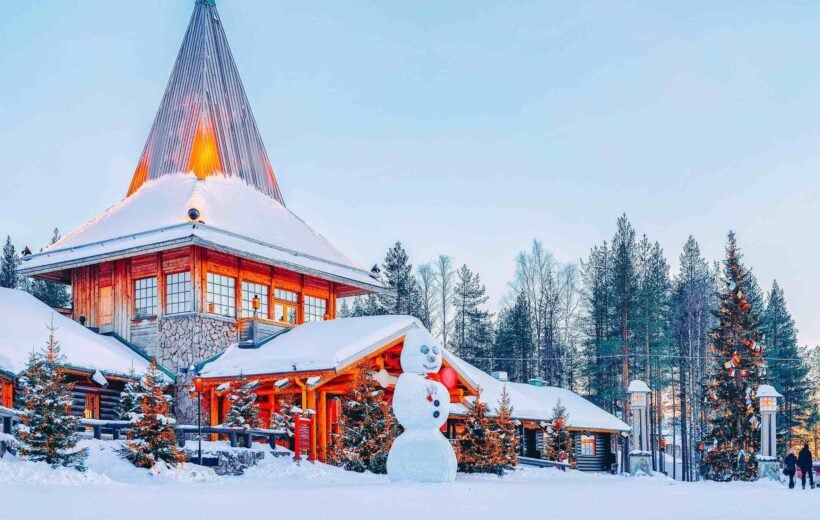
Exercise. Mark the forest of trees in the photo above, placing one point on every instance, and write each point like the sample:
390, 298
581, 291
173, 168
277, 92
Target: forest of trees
617, 315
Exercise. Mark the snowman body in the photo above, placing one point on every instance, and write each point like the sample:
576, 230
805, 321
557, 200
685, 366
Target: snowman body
421, 453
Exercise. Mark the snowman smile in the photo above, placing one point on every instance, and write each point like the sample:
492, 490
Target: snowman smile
429, 367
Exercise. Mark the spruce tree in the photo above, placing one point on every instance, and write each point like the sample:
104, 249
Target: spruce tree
367, 427
53, 294
558, 440
152, 438
47, 431
504, 424
403, 295
479, 444
282, 417
244, 412
787, 371
469, 295
734, 375
513, 344
129, 406
8, 266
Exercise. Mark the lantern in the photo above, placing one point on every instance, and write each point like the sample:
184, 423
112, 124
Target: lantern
198, 384
256, 303
768, 404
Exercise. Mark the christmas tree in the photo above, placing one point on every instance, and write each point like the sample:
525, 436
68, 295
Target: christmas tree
733, 375
152, 438
244, 412
480, 444
367, 428
557, 439
130, 403
48, 431
282, 418
504, 424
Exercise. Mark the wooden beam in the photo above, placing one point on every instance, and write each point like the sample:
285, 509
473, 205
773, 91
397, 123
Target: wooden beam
321, 420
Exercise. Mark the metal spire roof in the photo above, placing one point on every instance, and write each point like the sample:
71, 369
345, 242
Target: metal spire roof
204, 123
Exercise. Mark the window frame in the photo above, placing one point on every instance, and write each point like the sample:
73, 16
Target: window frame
91, 409
150, 297
587, 444
309, 307
264, 310
288, 300
226, 294
186, 304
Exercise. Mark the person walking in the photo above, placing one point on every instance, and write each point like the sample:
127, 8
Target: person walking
805, 463
790, 469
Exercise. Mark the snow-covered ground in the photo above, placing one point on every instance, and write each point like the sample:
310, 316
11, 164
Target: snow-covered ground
278, 488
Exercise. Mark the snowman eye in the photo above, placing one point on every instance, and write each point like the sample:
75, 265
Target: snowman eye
424, 349
435, 349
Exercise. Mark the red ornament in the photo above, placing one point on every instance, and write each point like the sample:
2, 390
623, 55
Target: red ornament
448, 378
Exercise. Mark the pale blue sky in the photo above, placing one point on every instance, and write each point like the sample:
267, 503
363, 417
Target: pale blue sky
466, 128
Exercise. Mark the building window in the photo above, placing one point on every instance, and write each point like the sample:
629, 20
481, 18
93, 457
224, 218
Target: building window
178, 293
315, 308
92, 406
588, 445
6, 398
285, 306
249, 290
221, 295
145, 297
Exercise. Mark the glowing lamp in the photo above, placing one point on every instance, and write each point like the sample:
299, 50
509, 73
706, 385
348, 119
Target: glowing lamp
198, 384
768, 404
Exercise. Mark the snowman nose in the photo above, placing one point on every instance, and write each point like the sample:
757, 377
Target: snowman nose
431, 358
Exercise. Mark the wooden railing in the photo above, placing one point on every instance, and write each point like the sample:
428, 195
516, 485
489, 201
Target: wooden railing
543, 463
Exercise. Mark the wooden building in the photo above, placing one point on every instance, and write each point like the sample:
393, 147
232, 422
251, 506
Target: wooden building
97, 365
312, 366
202, 252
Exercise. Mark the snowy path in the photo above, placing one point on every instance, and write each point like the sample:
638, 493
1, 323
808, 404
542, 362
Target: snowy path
33, 492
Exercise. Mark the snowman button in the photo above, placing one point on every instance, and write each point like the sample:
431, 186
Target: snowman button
436, 414
436, 403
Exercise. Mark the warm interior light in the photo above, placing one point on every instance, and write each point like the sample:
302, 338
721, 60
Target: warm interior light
204, 160
141, 173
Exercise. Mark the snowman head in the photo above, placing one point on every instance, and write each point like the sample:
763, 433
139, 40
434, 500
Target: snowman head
421, 353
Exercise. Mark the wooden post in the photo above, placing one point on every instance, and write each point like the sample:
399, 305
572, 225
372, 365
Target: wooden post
313, 424
321, 419
297, 445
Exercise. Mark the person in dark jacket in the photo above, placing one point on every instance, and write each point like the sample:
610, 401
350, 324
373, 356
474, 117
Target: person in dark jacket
804, 462
790, 469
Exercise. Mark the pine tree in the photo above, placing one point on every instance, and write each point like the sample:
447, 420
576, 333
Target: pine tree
513, 344
624, 279
504, 424
344, 309
152, 439
244, 412
48, 431
558, 440
129, 406
282, 418
367, 428
403, 295
8, 266
734, 376
53, 294
479, 444
787, 371
469, 294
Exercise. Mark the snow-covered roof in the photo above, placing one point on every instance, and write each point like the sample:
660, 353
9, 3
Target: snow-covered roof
233, 217
534, 402
316, 346
767, 391
24, 322
636, 386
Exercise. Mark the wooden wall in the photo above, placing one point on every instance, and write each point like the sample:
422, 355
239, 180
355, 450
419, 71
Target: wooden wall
592, 462
104, 293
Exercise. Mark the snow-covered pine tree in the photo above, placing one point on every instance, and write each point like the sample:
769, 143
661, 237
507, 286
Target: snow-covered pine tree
479, 444
152, 439
558, 440
367, 427
504, 424
47, 431
734, 375
53, 294
787, 370
244, 412
130, 403
282, 417
8, 266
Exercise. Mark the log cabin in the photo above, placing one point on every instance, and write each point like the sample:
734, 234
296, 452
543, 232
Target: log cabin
202, 251
312, 366
98, 366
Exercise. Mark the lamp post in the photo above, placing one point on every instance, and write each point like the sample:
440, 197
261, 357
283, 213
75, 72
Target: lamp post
639, 457
768, 467
198, 388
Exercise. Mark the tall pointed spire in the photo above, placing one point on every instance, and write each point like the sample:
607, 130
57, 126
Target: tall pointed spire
204, 123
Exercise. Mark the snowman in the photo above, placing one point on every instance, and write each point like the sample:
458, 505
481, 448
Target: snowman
421, 405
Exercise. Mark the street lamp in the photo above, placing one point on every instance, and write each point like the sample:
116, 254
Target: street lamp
198, 388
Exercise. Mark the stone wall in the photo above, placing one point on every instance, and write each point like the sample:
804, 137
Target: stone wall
188, 339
